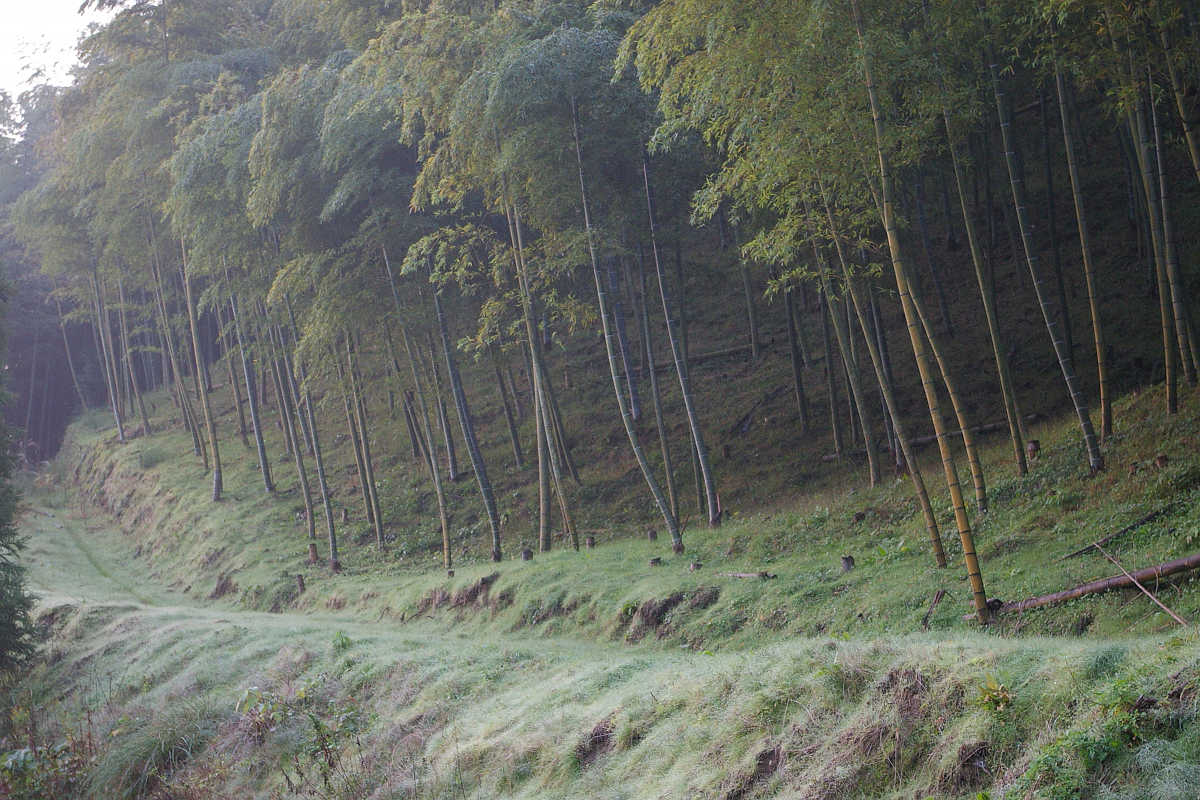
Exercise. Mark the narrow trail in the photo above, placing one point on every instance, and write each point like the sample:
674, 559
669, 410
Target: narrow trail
82, 562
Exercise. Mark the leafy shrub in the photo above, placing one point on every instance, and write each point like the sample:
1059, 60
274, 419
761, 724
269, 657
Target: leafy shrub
151, 457
994, 695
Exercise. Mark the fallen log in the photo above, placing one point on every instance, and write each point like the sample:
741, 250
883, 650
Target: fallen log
1125, 581
764, 575
1133, 526
1142, 587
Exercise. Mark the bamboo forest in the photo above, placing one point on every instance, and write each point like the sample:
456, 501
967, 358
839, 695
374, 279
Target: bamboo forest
614, 399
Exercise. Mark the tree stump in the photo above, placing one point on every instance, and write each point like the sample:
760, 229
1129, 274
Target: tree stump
590, 542
847, 563
652, 535
300, 583
526, 554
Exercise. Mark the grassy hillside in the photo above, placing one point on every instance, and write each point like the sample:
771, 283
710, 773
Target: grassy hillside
597, 674
154, 695
248, 549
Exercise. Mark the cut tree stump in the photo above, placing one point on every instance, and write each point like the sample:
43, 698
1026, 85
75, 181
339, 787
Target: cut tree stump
937, 598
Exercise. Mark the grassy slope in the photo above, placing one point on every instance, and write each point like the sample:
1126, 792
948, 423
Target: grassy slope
423, 712
813, 684
255, 547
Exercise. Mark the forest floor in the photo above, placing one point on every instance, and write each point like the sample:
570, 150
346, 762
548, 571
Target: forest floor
181, 659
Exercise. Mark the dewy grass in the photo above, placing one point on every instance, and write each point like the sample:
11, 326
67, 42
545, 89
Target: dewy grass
149, 748
813, 683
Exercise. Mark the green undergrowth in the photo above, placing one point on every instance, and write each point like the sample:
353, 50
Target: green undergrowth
249, 549
183, 658
180, 702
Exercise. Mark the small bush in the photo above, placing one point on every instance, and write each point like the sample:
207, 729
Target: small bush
147, 750
151, 457
341, 643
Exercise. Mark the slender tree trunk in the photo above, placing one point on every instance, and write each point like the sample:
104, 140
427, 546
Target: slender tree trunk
655, 395
431, 461
410, 419
602, 300
468, 428
291, 385
879, 337
185, 404
897, 419
62, 326
1085, 246
1138, 132
359, 405
751, 310
518, 404
355, 440
965, 424
1183, 337
789, 309
109, 375
679, 354
133, 381
260, 446
233, 381
1007, 391
558, 431
1052, 228
26, 432
843, 335
114, 359
288, 414
635, 405
540, 390
443, 418
509, 417
974, 575
209, 422
797, 322
923, 226
285, 420
1045, 302
544, 538
1186, 115
304, 401
830, 380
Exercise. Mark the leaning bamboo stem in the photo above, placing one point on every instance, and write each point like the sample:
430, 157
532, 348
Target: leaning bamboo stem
679, 354
974, 575
1085, 246
602, 300
1045, 303
893, 409
209, 422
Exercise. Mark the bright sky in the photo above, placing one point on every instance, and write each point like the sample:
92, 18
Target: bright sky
37, 41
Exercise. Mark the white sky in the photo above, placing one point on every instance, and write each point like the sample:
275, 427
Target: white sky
37, 41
